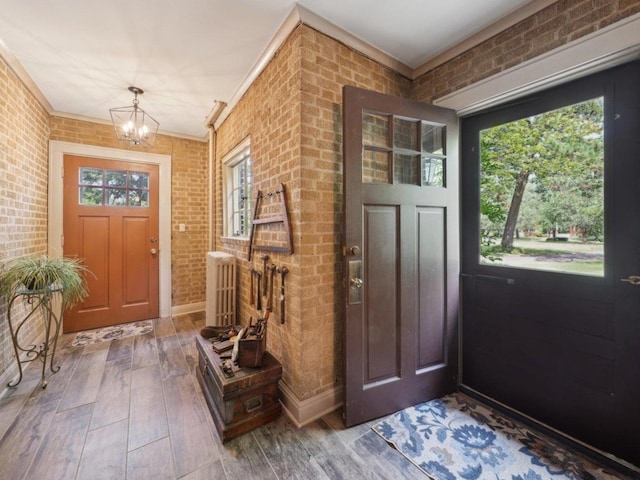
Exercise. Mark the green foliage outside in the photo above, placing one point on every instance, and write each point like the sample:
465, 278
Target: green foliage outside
541, 176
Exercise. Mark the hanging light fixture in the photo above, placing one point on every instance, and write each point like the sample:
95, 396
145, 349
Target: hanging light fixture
133, 124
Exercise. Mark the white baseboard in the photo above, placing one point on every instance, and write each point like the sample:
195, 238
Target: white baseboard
188, 308
303, 412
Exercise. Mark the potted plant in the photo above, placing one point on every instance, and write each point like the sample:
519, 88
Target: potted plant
40, 273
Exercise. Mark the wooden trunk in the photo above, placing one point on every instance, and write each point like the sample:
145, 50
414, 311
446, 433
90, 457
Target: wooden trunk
243, 402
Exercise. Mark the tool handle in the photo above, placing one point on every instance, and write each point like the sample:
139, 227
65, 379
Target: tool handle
283, 272
282, 304
272, 271
253, 292
259, 301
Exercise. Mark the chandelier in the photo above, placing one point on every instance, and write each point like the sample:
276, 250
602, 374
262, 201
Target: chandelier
133, 124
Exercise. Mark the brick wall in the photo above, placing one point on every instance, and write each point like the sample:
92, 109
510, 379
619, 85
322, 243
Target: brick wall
552, 27
189, 196
269, 113
327, 66
24, 133
292, 113
190, 205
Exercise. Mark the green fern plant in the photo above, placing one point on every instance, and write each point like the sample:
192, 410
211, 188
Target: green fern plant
43, 273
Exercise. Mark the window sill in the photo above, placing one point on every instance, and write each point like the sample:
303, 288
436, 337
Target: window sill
235, 240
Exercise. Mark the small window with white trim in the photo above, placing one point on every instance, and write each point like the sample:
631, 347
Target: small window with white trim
237, 193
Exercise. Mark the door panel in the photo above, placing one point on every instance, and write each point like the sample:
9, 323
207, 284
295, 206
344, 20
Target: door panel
136, 250
94, 245
111, 221
382, 325
432, 278
562, 348
401, 313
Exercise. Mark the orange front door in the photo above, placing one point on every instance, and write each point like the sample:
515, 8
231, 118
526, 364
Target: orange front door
111, 221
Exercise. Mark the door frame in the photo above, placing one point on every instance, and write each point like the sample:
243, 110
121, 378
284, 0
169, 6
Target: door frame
57, 151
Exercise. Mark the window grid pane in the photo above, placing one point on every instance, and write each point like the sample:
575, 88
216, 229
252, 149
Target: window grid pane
240, 198
417, 155
90, 176
127, 189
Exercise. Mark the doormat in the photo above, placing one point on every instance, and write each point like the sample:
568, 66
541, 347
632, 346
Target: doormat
105, 334
457, 438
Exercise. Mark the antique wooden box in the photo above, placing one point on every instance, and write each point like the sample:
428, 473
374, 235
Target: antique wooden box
243, 402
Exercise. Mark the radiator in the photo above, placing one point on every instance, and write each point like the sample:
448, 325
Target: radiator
221, 289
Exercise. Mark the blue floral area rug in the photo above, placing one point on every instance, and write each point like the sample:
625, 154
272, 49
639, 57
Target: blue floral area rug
457, 438
105, 334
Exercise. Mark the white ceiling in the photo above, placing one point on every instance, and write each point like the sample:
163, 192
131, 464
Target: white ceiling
187, 54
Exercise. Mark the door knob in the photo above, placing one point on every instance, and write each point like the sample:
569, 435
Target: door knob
356, 283
154, 251
632, 279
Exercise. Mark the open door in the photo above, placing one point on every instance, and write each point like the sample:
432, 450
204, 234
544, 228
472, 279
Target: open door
401, 253
551, 324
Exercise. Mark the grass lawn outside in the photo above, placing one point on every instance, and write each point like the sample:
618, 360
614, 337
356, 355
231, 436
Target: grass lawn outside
585, 258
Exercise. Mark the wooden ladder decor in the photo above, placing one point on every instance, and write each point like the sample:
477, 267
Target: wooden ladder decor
282, 218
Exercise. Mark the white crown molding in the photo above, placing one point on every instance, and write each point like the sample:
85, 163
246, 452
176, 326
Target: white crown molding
28, 82
17, 68
476, 39
605, 48
24, 77
292, 20
101, 121
303, 412
298, 15
323, 25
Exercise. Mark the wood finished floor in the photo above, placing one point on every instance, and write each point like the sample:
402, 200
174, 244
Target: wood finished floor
132, 409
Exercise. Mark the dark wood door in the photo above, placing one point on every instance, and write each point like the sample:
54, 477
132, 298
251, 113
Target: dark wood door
559, 343
401, 253
110, 220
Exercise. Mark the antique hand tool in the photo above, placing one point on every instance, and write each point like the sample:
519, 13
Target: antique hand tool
251, 329
264, 258
283, 272
259, 328
252, 299
272, 272
259, 292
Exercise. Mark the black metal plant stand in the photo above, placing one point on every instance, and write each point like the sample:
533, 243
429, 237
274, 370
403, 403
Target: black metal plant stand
36, 301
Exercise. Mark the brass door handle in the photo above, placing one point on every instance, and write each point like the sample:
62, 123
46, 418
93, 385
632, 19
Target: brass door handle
632, 279
356, 283
154, 251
